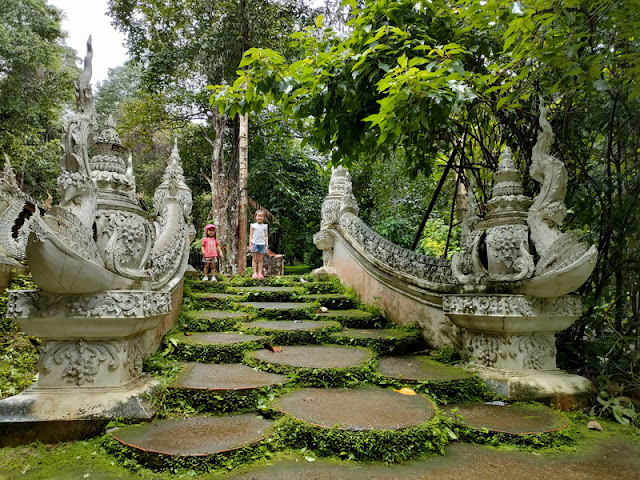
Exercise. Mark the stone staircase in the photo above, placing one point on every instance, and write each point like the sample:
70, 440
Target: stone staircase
296, 363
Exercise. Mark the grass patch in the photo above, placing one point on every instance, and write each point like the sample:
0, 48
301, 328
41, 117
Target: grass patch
185, 348
400, 341
18, 352
383, 445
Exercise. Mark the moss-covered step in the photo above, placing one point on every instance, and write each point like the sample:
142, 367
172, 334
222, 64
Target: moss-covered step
365, 423
220, 387
383, 341
322, 287
197, 443
316, 365
213, 347
531, 425
214, 320
269, 293
293, 332
335, 301
354, 318
444, 383
277, 281
215, 296
267, 289
194, 286
217, 301
280, 310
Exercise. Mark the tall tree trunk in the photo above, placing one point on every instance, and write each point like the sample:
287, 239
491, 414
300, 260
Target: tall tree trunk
232, 226
233, 201
220, 194
243, 168
243, 155
462, 194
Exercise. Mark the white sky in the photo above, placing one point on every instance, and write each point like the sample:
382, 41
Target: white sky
89, 17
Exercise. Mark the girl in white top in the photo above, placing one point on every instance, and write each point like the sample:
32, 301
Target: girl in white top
258, 243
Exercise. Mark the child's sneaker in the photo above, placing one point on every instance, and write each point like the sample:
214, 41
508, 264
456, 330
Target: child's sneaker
205, 278
260, 276
255, 275
213, 279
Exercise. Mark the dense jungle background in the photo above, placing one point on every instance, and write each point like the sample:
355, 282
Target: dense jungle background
416, 98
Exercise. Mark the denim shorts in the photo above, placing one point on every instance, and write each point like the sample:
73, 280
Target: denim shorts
259, 248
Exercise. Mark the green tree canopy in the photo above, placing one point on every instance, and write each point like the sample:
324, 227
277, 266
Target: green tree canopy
460, 80
36, 83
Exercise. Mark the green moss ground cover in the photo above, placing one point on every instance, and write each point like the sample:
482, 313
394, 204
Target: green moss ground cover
18, 351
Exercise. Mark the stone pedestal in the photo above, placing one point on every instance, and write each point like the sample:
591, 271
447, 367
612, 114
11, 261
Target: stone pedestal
67, 413
511, 339
90, 365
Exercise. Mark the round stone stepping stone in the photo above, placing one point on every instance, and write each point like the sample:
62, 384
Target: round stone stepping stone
224, 376
277, 305
293, 325
221, 338
511, 419
420, 368
370, 408
315, 356
195, 436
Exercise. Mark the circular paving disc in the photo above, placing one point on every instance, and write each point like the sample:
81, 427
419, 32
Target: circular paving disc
370, 408
316, 356
198, 435
224, 376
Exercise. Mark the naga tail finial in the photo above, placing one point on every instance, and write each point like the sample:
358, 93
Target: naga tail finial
84, 95
545, 137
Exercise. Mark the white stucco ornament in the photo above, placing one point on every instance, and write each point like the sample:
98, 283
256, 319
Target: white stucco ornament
501, 299
516, 270
496, 251
109, 278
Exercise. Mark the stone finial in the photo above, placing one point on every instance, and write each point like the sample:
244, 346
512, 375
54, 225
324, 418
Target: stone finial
508, 202
497, 251
109, 136
129, 172
340, 178
8, 179
173, 184
84, 95
174, 174
507, 177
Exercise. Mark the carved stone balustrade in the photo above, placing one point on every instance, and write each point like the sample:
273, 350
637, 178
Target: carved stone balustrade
110, 286
501, 299
12, 247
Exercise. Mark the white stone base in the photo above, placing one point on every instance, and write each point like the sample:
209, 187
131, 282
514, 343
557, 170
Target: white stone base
54, 414
556, 386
